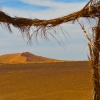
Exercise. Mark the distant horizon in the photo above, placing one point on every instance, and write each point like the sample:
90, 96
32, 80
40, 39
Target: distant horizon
39, 55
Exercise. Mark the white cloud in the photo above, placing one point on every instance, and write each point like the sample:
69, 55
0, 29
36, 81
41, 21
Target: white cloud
56, 9
49, 3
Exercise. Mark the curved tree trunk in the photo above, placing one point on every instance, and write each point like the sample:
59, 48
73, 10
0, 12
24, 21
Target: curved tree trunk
95, 63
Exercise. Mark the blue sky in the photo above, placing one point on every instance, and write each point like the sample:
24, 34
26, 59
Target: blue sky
19, 4
67, 1
72, 48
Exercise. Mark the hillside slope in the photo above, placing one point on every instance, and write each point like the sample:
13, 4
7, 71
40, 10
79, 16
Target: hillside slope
12, 58
25, 57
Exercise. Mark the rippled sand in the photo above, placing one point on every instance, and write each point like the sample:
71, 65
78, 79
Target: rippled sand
51, 81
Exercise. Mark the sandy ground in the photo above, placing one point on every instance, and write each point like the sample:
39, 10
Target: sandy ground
25, 57
12, 58
52, 81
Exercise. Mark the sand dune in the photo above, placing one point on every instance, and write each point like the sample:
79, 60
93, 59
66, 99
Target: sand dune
12, 58
25, 57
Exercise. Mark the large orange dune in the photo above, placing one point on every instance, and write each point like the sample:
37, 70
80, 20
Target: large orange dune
25, 57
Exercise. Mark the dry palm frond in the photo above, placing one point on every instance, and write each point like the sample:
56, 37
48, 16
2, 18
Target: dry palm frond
92, 9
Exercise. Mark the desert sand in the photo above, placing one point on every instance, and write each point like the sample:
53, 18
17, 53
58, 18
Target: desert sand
12, 58
25, 57
46, 81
